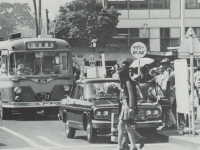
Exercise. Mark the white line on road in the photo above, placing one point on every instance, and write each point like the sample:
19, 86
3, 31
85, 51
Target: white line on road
87, 146
50, 142
29, 141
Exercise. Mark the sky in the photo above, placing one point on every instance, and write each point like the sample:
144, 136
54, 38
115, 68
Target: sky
51, 5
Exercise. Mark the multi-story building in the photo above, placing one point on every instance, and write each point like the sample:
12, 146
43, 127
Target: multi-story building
156, 23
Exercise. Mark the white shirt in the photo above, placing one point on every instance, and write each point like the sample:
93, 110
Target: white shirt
196, 76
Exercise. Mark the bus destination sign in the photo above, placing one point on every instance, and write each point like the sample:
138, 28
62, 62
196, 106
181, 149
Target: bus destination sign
40, 45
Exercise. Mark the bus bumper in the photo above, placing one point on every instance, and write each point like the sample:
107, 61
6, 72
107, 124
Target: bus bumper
44, 104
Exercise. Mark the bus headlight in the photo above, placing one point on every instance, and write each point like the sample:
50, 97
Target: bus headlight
66, 88
17, 90
17, 98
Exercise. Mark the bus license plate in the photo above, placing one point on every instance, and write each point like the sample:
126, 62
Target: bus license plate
43, 96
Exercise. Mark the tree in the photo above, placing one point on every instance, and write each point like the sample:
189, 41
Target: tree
80, 22
13, 16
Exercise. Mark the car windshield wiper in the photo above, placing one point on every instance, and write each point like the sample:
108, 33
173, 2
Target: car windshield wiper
53, 74
32, 73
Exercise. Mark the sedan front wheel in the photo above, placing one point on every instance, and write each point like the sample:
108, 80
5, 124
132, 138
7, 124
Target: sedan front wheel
91, 133
70, 132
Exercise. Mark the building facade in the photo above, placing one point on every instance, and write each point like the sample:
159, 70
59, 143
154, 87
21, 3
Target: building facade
156, 23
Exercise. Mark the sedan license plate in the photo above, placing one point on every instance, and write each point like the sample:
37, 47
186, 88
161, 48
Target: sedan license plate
43, 96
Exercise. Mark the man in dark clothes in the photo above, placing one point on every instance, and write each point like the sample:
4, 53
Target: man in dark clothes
128, 103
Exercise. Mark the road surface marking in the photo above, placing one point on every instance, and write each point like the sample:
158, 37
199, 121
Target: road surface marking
29, 141
50, 142
89, 146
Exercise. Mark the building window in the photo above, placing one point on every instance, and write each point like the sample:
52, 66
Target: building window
164, 32
118, 4
192, 4
166, 40
196, 30
159, 4
134, 32
138, 4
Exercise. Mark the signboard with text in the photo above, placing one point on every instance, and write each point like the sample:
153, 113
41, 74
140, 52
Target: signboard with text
138, 50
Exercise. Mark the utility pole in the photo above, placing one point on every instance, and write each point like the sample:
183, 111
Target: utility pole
40, 18
182, 19
47, 21
36, 21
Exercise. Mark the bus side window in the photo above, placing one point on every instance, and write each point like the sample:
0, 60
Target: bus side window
64, 62
4, 64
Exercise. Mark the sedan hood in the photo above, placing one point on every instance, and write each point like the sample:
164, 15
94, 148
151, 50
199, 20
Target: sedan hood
105, 102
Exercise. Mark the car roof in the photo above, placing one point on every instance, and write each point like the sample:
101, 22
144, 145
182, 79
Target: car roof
84, 81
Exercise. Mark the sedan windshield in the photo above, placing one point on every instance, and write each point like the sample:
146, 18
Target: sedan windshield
102, 90
39, 63
150, 91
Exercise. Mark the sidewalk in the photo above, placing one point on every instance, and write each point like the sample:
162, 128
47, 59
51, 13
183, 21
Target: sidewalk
187, 140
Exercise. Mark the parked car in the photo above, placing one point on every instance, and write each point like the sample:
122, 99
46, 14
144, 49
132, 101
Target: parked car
92, 103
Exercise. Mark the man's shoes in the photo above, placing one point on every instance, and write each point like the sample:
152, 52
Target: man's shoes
165, 128
181, 131
142, 142
172, 127
126, 147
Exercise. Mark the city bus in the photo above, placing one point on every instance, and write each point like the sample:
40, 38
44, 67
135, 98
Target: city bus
35, 74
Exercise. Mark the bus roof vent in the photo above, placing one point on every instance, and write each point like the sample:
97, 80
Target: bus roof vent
15, 36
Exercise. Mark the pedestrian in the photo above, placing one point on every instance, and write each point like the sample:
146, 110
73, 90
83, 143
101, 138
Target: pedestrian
154, 72
145, 76
134, 74
197, 87
195, 101
171, 92
115, 74
164, 81
128, 103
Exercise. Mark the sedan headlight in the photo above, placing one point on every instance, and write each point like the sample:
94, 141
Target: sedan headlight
98, 113
105, 113
156, 113
66, 88
148, 112
102, 114
17, 90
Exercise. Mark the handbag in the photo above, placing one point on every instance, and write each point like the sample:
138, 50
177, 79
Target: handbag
164, 102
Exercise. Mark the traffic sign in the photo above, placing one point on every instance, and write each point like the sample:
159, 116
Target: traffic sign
138, 50
92, 60
184, 48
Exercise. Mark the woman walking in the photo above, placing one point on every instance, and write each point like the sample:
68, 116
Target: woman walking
128, 103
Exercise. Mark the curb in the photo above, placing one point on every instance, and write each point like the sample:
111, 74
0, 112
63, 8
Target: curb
184, 141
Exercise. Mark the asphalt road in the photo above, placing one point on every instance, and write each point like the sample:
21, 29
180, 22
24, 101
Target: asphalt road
47, 132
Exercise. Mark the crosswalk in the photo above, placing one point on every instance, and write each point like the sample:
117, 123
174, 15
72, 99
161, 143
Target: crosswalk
46, 143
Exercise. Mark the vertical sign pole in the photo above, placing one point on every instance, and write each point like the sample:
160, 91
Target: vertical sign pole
138, 64
192, 82
103, 64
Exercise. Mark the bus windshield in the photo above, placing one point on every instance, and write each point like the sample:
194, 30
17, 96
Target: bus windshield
39, 63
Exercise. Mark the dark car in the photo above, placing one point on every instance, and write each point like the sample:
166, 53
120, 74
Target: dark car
93, 102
